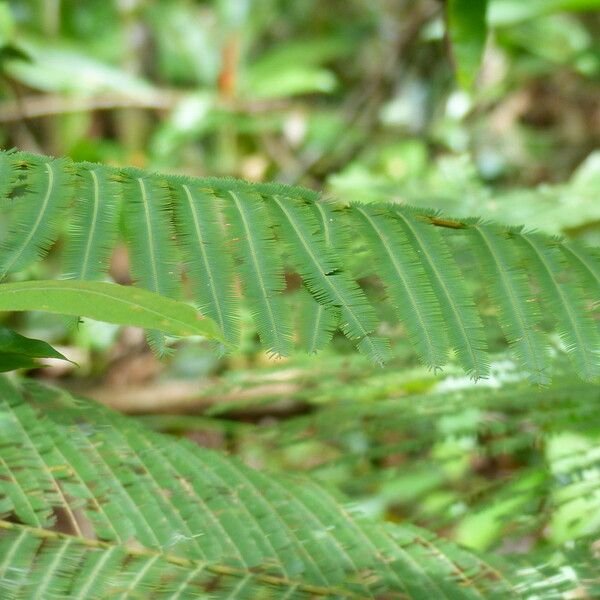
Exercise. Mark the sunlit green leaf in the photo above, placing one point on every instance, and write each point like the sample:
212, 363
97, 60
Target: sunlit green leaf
123, 305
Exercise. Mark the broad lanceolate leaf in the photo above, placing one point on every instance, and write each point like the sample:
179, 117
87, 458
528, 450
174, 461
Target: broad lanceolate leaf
124, 305
18, 351
141, 511
467, 32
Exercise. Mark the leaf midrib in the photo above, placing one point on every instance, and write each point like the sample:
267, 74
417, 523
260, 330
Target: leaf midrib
458, 321
258, 271
342, 303
16, 255
400, 272
94, 224
207, 263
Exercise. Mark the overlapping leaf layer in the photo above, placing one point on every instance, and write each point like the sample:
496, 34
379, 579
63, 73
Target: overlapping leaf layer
92, 505
237, 243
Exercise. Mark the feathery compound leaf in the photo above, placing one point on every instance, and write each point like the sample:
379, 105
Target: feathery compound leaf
172, 512
9, 175
60, 566
150, 240
316, 323
206, 256
566, 303
509, 289
406, 283
463, 325
586, 261
262, 222
93, 228
36, 213
323, 274
261, 271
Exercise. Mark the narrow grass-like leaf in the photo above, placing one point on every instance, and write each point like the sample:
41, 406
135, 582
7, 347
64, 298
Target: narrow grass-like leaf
124, 305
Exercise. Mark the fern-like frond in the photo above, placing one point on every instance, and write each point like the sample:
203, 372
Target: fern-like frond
36, 213
463, 324
207, 258
323, 276
566, 303
262, 271
52, 565
510, 290
9, 175
501, 449
94, 226
316, 323
406, 282
237, 239
586, 262
183, 518
148, 230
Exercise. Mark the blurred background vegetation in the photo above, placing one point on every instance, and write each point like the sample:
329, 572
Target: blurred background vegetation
358, 99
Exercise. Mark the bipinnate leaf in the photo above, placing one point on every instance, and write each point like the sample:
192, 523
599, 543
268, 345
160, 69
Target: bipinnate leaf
148, 515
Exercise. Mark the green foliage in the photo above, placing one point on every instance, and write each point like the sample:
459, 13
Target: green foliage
255, 231
17, 351
123, 305
141, 511
495, 465
467, 29
94, 224
471, 108
49, 189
